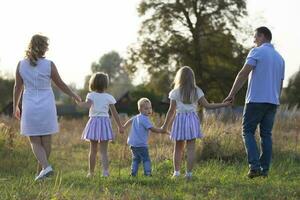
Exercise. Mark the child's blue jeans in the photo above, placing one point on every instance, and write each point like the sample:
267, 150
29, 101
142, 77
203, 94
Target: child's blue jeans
140, 154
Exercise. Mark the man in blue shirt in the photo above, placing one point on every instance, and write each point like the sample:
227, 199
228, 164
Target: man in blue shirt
264, 69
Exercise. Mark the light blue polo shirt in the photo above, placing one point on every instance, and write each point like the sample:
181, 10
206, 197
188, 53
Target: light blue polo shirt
139, 132
264, 81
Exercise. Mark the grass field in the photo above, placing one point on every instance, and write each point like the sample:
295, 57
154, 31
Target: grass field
219, 173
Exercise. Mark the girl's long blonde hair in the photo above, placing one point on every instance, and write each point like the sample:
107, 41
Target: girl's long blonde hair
185, 81
37, 48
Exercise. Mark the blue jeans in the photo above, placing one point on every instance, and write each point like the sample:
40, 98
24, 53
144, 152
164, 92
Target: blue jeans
140, 154
262, 114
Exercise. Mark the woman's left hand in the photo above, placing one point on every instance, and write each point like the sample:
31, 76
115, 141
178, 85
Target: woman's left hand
77, 98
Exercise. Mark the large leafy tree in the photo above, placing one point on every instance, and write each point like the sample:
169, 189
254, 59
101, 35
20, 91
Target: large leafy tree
111, 63
6, 88
197, 33
291, 94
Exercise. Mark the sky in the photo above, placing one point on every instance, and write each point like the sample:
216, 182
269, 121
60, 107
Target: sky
81, 31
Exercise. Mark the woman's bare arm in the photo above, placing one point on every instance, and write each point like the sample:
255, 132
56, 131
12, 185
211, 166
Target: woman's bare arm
61, 84
18, 88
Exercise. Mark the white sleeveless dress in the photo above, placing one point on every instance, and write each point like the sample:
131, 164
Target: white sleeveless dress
39, 115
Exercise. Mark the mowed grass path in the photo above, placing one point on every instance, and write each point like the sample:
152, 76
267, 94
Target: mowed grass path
217, 174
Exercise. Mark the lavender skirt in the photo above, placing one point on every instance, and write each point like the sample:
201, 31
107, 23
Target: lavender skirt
98, 129
186, 126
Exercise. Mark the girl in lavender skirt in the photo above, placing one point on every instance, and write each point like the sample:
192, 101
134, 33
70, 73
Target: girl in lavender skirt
184, 99
98, 129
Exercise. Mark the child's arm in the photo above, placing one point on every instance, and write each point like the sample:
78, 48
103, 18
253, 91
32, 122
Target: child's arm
208, 105
170, 115
127, 124
115, 115
158, 130
86, 104
61, 84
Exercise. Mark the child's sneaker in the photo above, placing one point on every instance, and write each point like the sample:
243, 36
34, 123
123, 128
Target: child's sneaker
176, 175
148, 174
188, 176
44, 173
105, 174
90, 175
133, 175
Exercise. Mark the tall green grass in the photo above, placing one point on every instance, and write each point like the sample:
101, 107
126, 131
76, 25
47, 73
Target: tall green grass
219, 170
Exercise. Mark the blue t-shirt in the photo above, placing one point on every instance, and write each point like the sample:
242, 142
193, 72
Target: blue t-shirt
139, 132
264, 81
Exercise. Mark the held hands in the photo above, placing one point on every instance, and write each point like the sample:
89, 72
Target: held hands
121, 129
160, 130
227, 103
77, 98
164, 129
228, 100
81, 104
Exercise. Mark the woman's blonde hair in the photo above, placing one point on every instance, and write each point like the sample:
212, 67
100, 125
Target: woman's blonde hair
37, 48
98, 82
185, 81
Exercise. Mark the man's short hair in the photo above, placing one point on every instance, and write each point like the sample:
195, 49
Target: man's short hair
265, 31
142, 101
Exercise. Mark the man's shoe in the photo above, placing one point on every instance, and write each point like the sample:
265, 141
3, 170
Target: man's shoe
264, 174
254, 173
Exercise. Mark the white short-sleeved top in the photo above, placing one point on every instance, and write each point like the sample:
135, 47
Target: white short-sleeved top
182, 107
100, 105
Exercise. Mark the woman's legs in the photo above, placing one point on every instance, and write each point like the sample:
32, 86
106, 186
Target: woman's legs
190, 148
177, 155
46, 143
39, 150
92, 156
104, 157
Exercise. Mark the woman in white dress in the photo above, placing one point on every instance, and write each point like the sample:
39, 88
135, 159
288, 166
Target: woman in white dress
38, 118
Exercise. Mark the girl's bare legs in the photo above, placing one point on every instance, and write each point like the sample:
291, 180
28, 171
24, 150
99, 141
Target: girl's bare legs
39, 150
92, 156
190, 146
177, 155
46, 143
104, 157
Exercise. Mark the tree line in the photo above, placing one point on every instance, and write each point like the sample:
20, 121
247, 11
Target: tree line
174, 33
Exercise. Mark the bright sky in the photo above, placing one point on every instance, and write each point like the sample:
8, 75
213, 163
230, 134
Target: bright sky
81, 31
